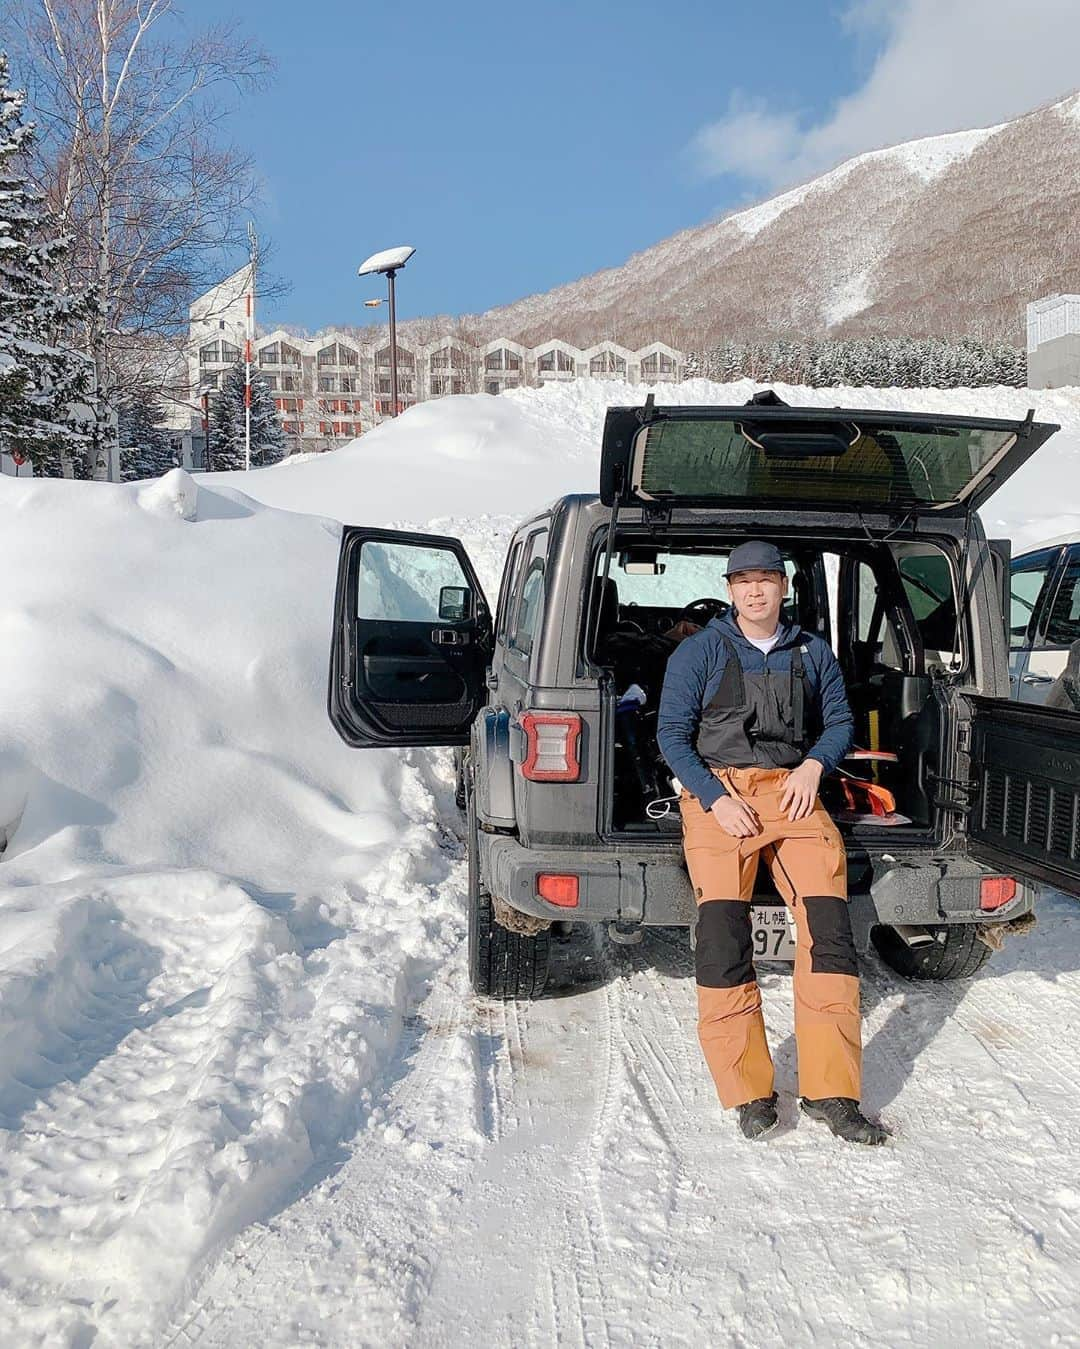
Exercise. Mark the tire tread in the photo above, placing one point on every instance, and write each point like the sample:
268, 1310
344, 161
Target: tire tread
959, 956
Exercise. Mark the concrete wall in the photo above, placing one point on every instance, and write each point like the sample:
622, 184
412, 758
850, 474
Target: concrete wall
1055, 364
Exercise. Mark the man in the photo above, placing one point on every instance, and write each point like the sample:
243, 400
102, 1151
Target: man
753, 713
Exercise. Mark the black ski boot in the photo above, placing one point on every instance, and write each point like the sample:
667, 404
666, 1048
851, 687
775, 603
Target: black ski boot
845, 1119
757, 1119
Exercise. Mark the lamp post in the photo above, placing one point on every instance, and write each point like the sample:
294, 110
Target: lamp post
204, 399
389, 262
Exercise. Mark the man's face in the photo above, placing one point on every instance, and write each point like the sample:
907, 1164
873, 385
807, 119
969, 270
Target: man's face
758, 595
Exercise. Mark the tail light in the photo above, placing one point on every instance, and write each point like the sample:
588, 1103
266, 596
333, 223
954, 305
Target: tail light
551, 746
558, 889
996, 891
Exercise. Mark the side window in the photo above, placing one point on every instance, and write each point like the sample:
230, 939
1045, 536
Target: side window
874, 626
507, 590
1063, 627
530, 602
403, 583
1026, 584
929, 589
867, 601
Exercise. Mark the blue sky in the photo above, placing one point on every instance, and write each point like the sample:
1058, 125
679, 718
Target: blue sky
520, 146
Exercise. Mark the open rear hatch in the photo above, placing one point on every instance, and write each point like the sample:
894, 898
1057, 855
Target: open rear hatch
768, 454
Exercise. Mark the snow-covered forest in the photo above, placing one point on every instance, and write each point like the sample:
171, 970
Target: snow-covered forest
876, 362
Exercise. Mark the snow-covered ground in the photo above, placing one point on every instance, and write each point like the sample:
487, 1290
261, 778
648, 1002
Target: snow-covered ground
244, 1095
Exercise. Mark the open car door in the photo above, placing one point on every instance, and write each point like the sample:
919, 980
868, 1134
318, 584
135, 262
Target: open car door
411, 640
1025, 815
766, 453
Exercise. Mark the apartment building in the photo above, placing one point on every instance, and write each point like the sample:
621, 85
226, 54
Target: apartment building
331, 388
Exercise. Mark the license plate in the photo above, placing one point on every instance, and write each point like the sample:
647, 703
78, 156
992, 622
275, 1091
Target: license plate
771, 932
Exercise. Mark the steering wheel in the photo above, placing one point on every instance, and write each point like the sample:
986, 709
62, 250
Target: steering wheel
700, 611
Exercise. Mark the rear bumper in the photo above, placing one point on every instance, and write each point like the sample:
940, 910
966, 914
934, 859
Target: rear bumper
654, 889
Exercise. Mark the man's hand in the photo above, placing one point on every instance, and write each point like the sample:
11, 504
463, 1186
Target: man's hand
735, 817
801, 789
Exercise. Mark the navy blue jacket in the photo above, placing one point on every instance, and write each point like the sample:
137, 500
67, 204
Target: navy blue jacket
693, 677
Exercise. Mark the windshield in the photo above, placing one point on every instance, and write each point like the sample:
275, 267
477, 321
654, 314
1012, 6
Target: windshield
879, 464
680, 579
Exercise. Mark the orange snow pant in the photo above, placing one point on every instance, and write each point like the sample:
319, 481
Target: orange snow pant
808, 867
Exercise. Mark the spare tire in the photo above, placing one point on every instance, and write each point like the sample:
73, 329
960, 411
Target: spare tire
955, 953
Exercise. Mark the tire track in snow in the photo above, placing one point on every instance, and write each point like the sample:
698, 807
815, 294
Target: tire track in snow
571, 1290
674, 1075
585, 1227
240, 1300
604, 1200
1025, 1060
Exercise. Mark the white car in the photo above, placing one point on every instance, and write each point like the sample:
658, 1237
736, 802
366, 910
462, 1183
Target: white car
1044, 621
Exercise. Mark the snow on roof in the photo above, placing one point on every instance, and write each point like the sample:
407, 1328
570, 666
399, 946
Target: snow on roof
388, 260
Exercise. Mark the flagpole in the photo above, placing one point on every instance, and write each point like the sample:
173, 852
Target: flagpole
249, 338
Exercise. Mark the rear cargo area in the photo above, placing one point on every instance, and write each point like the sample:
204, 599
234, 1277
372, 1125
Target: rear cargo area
888, 610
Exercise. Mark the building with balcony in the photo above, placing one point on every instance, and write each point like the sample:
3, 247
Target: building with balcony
607, 360
331, 388
557, 361
660, 364
503, 365
449, 366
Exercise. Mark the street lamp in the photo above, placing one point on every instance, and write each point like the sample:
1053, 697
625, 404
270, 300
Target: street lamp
390, 261
204, 401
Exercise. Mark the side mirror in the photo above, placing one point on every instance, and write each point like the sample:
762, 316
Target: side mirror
454, 603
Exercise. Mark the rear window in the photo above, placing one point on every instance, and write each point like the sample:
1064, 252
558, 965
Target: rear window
883, 464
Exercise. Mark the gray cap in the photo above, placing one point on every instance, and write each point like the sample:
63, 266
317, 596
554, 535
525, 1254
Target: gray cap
755, 556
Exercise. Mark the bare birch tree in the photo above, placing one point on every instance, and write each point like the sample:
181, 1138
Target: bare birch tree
133, 160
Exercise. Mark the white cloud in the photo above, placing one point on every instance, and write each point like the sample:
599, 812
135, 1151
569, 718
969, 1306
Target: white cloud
749, 141
942, 65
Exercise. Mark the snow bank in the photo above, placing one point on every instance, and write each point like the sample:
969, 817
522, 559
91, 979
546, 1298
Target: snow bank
460, 456
470, 455
213, 916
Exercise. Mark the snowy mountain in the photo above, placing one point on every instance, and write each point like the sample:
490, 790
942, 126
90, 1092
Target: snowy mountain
230, 960
945, 236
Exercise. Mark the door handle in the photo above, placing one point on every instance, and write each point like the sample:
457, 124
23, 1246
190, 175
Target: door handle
1037, 679
449, 637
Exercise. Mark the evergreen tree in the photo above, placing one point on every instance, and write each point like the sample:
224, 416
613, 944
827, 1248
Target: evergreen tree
267, 434
145, 451
227, 423
42, 381
877, 362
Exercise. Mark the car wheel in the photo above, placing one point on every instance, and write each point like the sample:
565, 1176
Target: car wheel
955, 953
502, 964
